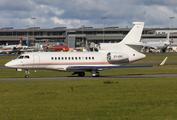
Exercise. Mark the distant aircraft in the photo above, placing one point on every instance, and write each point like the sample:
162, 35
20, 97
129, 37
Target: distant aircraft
56, 47
110, 55
158, 45
14, 48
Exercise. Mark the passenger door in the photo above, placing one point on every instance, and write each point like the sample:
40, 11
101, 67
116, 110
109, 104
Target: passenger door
36, 60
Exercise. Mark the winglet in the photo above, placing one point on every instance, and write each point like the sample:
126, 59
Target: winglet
163, 62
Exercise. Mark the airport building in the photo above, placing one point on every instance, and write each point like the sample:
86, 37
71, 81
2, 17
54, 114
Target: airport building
79, 37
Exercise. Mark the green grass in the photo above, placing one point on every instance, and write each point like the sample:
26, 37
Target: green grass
5, 59
108, 99
124, 99
8, 57
158, 58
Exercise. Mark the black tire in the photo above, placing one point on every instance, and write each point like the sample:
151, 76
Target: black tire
81, 74
26, 76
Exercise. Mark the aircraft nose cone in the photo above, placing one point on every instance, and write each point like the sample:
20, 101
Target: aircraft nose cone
7, 64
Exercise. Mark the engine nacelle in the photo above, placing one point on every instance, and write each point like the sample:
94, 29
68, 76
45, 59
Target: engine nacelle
114, 56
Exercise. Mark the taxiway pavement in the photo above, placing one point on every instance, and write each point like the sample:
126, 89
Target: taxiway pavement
89, 77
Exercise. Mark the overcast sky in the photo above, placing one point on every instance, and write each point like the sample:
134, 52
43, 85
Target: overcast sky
75, 13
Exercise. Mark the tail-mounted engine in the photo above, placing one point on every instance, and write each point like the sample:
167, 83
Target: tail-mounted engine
114, 56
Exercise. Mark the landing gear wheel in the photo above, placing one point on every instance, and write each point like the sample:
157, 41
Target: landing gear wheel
81, 74
26, 76
95, 74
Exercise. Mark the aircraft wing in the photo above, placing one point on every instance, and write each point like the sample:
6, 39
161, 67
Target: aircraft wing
87, 68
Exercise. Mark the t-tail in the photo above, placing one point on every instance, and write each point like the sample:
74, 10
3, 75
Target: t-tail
130, 43
134, 36
132, 39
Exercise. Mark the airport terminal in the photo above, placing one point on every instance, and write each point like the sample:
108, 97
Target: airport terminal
79, 37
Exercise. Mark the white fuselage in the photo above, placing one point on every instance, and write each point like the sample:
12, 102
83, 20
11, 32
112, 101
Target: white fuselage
157, 45
61, 60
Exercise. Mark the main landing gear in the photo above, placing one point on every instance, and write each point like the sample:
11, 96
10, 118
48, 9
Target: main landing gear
27, 73
82, 74
95, 73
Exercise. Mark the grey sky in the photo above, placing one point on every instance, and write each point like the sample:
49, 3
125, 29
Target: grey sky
75, 13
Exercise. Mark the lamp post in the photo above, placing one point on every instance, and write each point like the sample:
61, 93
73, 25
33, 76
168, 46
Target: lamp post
103, 27
172, 28
27, 27
82, 36
33, 29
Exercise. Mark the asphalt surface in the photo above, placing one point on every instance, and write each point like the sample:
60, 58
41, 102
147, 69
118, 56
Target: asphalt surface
89, 77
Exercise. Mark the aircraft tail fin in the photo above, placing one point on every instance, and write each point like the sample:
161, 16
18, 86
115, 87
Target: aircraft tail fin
26, 44
134, 36
20, 40
168, 37
47, 43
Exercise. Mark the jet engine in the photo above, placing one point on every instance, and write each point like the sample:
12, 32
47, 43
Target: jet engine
114, 56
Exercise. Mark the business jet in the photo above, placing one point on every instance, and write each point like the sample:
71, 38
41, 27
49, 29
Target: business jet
158, 45
110, 55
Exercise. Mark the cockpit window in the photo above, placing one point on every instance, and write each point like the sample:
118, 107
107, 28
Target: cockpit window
23, 57
20, 57
27, 57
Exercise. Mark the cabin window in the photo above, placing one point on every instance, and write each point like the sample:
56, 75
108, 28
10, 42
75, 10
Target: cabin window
65, 58
72, 58
68, 58
58, 58
62, 58
79, 58
55, 58
89, 58
92, 58
52, 58
86, 58
75, 58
